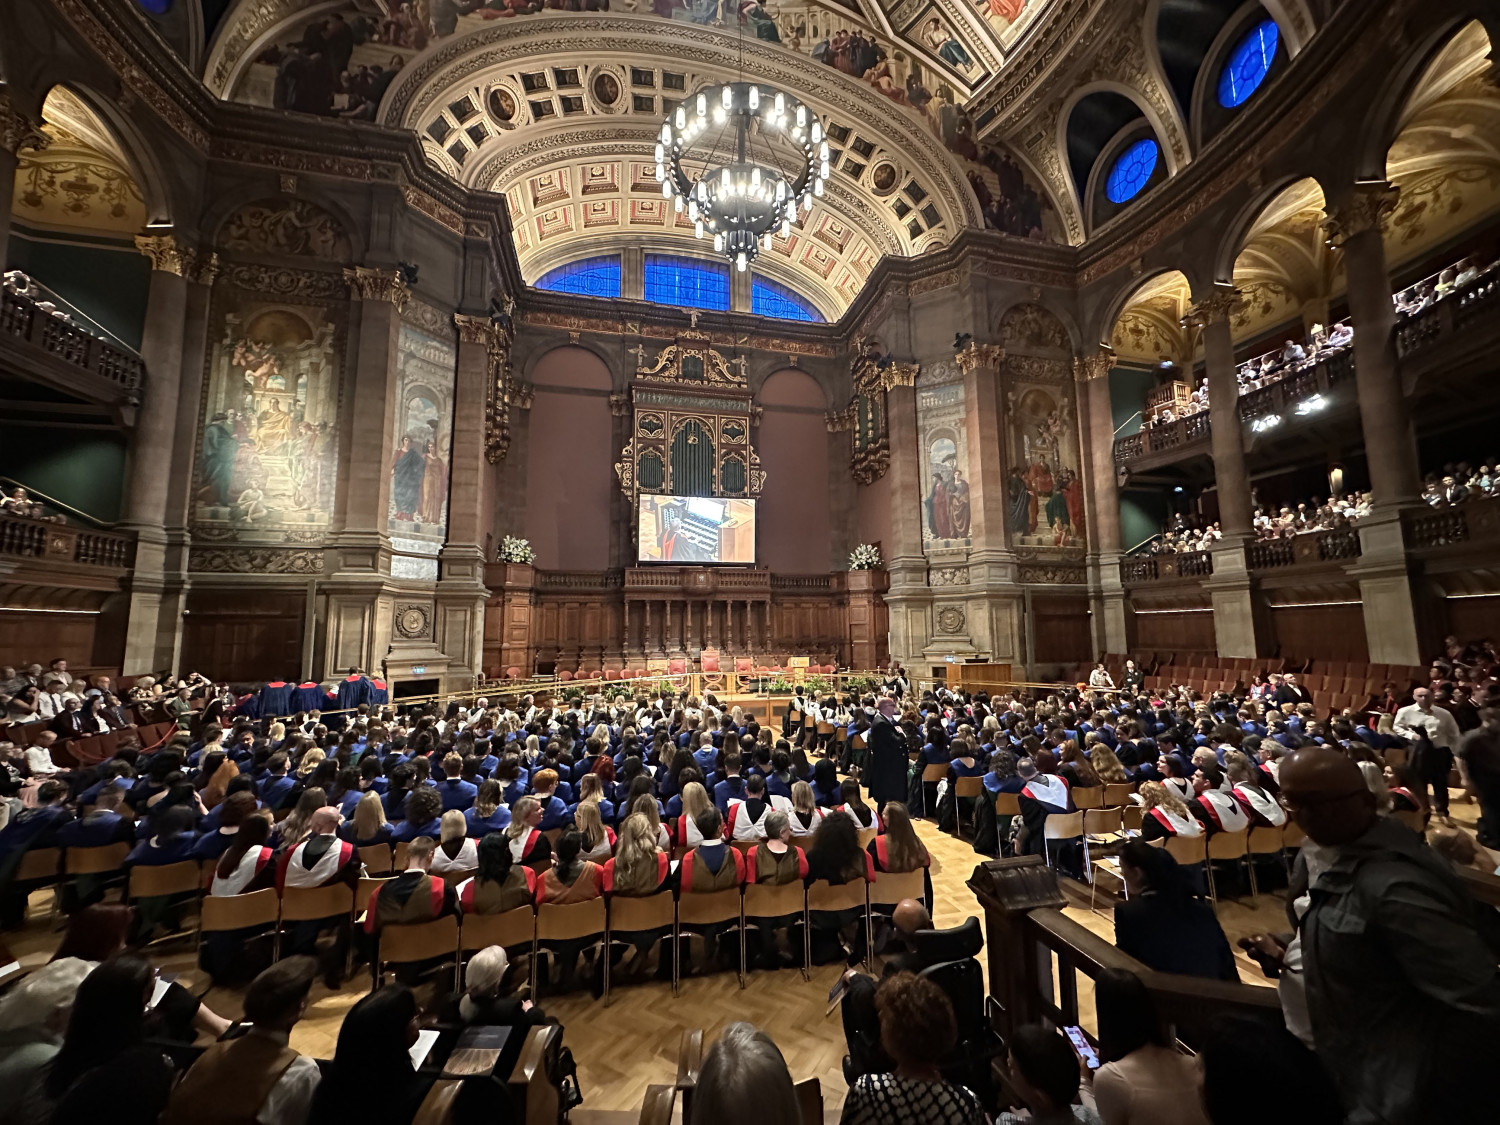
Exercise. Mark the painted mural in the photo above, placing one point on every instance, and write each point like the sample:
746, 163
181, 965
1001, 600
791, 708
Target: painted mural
947, 518
422, 451
341, 63
268, 456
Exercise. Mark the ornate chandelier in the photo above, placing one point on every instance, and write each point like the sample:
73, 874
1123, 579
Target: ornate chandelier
740, 159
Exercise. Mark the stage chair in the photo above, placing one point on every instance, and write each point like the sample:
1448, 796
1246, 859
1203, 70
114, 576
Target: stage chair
362, 892
824, 897
1063, 826
512, 930
964, 788
763, 902
313, 904
223, 913
1228, 846
1087, 796
420, 941
570, 922
1101, 822
695, 910
376, 858
931, 776
101, 860
1292, 835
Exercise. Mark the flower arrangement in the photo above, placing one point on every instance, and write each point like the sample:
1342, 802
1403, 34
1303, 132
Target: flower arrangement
514, 550
865, 557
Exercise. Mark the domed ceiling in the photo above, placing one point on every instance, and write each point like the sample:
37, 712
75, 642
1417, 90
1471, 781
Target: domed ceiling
556, 103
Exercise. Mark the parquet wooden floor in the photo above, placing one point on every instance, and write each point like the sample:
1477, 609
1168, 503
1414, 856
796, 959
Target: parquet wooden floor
633, 1043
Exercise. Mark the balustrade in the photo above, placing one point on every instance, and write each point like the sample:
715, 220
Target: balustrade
21, 318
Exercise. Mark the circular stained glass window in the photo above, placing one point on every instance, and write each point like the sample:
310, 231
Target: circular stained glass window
1132, 169
1248, 64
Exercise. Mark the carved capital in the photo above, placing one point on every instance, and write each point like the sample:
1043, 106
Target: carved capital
1218, 306
899, 375
165, 252
474, 329
17, 131
200, 266
1369, 208
974, 356
378, 285
1087, 368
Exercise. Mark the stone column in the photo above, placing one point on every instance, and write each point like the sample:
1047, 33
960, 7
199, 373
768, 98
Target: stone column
1356, 225
1230, 589
148, 469
1358, 228
461, 590
360, 601
980, 364
907, 599
1097, 419
1231, 478
17, 132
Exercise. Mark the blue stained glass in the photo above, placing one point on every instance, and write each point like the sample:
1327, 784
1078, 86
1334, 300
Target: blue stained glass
1132, 169
688, 283
1248, 64
769, 298
589, 277
156, 7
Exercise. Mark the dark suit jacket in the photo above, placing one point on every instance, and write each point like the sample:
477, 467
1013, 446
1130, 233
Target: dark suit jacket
1188, 941
1298, 694
886, 762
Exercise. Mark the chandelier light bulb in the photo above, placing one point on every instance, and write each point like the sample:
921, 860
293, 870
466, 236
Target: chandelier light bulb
786, 229
817, 132
677, 203
818, 189
801, 117
661, 153
754, 98
698, 228
693, 210
739, 261
702, 105
780, 103
755, 178
666, 189
823, 151
823, 170
724, 180
727, 97
719, 243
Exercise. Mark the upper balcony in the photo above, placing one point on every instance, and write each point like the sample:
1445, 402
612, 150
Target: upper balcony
1443, 344
48, 343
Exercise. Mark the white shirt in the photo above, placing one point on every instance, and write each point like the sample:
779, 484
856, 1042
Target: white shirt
1439, 725
290, 1099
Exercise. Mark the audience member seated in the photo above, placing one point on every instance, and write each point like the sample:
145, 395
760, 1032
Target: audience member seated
1164, 924
412, 896
499, 884
33, 1017
485, 1002
917, 1031
456, 850
1165, 814
371, 1079
255, 1076
528, 845
744, 1081
1144, 1079
835, 857
368, 826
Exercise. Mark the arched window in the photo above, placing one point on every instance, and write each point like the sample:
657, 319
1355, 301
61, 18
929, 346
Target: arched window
1132, 170
589, 277
156, 7
770, 298
686, 282
1248, 64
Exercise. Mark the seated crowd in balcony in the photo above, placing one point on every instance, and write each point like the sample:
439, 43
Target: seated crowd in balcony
19, 503
1429, 291
1459, 483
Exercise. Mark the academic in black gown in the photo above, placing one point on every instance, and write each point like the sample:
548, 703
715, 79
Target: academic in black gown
886, 762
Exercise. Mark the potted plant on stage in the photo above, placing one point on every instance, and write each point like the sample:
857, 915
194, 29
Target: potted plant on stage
518, 558
866, 568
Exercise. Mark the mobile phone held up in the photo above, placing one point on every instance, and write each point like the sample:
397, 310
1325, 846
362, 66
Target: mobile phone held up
1081, 1044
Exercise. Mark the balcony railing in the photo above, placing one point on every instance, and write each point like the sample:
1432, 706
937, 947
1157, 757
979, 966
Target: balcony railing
1479, 300
1443, 527
57, 542
1270, 553
22, 318
1161, 568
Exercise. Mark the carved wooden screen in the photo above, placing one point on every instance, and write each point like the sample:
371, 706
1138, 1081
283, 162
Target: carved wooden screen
691, 412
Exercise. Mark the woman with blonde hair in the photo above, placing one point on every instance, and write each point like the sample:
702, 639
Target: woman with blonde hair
646, 805
291, 831
805, 815
897, 849
1108, 767
591, 792
310, 761
695, 801
527, 843
598, 839
1166, 814
455, 850
639, 867
276, 733
368, 826
489, 813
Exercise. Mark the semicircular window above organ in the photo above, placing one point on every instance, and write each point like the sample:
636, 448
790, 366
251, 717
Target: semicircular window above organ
1132, 169
1248, 64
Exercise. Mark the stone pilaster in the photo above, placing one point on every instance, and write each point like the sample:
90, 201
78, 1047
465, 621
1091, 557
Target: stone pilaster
154, 616
1211, 314
1097, 424
907, 600
17, 132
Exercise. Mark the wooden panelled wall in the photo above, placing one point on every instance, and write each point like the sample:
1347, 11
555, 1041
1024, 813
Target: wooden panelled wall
576, 621
1061, 632
1174, 631
39, 637
244, 635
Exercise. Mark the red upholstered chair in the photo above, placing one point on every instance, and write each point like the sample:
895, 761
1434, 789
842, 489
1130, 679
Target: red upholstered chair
513, 673
744, 665
565, 676
589, 674
614, 674
708, 664
637, 673
677, 667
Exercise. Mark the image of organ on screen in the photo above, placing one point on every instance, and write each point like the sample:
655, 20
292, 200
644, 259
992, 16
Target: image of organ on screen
696, 529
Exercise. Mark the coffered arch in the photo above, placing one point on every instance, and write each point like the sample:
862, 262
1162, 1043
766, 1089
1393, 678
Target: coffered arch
561, 116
